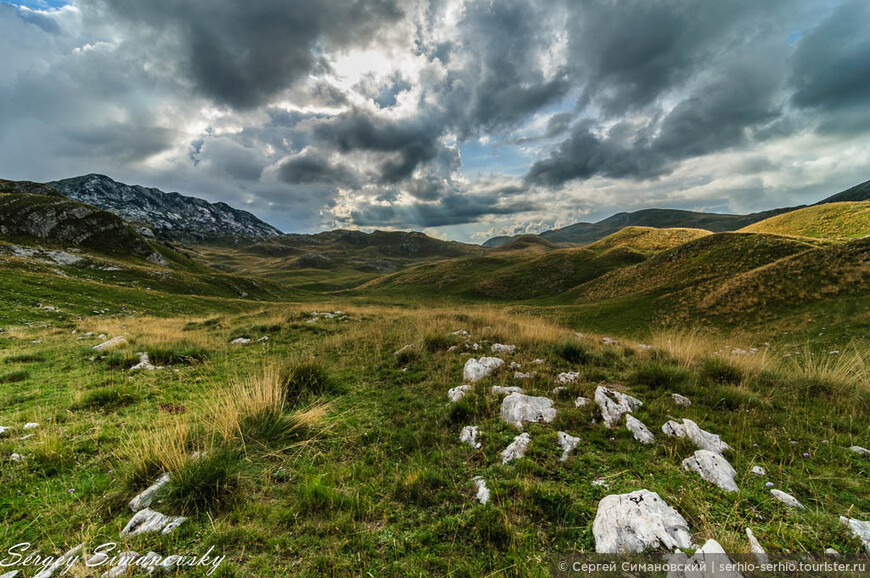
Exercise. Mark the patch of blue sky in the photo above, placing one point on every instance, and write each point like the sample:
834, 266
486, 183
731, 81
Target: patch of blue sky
38, 4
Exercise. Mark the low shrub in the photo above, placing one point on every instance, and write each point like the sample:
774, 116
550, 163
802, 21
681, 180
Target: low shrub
660, 376
176, 353
721, 371
573, 352
440, 342
206, 482
106, 398
305, 379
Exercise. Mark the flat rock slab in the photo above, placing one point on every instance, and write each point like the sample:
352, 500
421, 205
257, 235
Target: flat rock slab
516, 449
859, 529
113, 342
469, 434
703, 440
634, 522
148, 520
713, 468
786, 499
640, 431
454, 394
504, 349
568, 443
146, 498
477, 369
517, 408
614, 404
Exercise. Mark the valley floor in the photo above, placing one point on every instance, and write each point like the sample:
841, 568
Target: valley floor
301, 444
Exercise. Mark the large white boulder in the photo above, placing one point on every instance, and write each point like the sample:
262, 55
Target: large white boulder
477, 369
614, 404
517, 408
634, 522
640, 431
516, 449
704, 440
860, 529
482, 490
713, 468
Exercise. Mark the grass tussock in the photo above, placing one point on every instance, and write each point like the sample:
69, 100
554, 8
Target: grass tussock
163, 447
106, 398
685, 346
205, 482
14, 376
846, 370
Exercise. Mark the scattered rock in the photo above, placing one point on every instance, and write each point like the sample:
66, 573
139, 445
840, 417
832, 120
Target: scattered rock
144, 363
516, 449
702, 439
609, 341
634, 522
681, 400
538, 362
860, 529
517, 408
457, 393
402, 350
709, 561
113, 342
713, 468
10, 574
601, 483
505, 349
568, 378
786, 499
31, 425
527, 375
482, 490
146, 498
469, 434
4, 429
864, 453
148, 520
581, 401
758, 471
755, 548
61, 561
832, 552
640, 431
502, 390
240, 340
568, 443
477, 369
460, 333
26, 437
514, 366
614, 404
263, 339
16, 457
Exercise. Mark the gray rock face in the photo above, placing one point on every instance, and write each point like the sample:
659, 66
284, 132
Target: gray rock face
755, 548
860, 529
148, 520
640, 431
477, 369
113, 342
468, 435
516, 449
681, 400
503, 349
454, 394
568, 443
786, 499
614, 404
634, 522
702, 439
146, 498
517, 408
167, 214
713, 468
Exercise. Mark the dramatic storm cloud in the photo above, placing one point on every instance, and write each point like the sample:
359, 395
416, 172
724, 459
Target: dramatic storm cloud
464, 118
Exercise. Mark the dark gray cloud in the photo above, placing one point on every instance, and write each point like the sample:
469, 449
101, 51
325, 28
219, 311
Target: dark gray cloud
311, 166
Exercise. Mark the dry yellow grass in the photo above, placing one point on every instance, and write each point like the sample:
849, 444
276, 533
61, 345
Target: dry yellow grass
847, 367
244, 397
166, 442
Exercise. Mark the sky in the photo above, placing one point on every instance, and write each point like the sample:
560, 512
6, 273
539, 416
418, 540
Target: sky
464, 119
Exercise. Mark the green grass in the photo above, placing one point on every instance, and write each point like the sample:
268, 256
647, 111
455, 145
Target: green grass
829, 221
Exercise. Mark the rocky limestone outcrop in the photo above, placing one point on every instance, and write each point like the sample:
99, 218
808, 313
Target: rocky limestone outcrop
638, 521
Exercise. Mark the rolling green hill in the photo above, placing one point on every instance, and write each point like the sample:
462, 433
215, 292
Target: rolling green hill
842, 220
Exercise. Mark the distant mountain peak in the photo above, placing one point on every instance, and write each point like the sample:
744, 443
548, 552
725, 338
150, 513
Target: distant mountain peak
170, 215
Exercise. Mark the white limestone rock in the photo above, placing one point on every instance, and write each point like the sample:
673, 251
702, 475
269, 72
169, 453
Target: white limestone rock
634, 522
860, 529
526, 375
460, 333
16, 457
145, 363
457, 393
146, 498
758, 471
113, 342
60, 562
702, 439
713, 468
514, 366
568, 443
503, 349
786, 499
614, 404
477, 369
516, 449
681, 400
567, 378
502, 390
709, 561
469, 434
755, 548
517, 408
864, 453
4, 429
148, 520
402, 350
482, 490
640, 431
240, 340
31, 425
581, 402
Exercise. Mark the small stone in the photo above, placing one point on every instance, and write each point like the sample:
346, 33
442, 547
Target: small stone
864, 453
263, 339
516, 449
517, 408
832, 552
16, 457
240, 340
568, 378
457, 393
408, 347
113, 342
144, 363
31, 425
600, 483
709, 561
755, 548
514, 366
568, 443
504, 349
146, 498
527, 375
482, 490
640, 431
468, 435
614, 404
558, 390
502, 390
786, 499
460, 333
581, 401
148, 520
713, 468
3, 430
702, 439
61, 561
758, 471
681, 400
477, 369
634, 522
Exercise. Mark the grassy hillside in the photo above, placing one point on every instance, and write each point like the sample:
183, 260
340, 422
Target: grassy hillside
857, 193
841, 220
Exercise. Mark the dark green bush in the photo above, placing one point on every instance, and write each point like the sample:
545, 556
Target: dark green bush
721, 371
440, 342
660, 376
307, 379
573, 352
106, 398
175, 354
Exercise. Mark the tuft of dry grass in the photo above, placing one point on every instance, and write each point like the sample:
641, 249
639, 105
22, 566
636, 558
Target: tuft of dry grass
164, 446
686, 346
847, 368
253, 395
